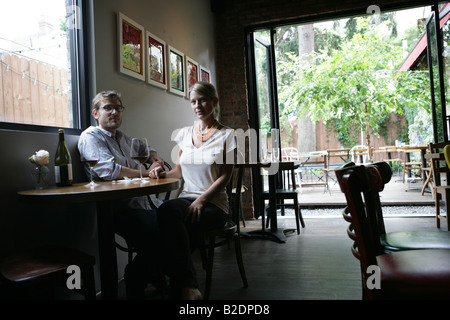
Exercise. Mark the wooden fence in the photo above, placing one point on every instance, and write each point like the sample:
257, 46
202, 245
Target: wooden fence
33, 92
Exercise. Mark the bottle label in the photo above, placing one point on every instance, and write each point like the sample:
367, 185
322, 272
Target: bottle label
63, 175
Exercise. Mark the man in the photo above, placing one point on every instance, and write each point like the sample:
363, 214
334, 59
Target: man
135, 219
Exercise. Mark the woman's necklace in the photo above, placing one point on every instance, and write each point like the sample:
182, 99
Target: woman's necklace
204, 135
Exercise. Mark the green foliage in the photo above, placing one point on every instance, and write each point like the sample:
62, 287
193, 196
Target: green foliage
356, 86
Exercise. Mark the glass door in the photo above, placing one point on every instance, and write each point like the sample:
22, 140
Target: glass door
437, 86
263, 98
266, 93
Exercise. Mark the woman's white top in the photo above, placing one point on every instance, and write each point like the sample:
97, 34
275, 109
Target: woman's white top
201, 166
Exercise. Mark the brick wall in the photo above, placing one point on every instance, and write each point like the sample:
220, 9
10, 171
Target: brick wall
234, 16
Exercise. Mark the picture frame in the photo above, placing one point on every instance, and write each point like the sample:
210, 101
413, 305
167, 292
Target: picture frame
176, 74
156, 61
205, 74
192, 73
130, 47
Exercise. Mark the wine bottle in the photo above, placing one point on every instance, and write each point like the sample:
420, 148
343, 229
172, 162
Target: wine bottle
63, 163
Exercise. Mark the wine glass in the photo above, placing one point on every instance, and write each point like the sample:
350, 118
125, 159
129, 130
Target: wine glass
139, 152
91, 156
275, 155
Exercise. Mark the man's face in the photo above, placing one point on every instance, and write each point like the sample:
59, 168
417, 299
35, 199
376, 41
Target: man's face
107, 115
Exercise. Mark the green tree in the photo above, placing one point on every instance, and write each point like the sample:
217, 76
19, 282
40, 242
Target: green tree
355, 86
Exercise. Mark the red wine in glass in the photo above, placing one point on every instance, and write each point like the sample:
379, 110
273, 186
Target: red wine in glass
91, 163
139, 151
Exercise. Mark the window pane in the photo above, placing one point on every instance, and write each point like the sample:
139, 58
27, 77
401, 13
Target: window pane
35, 73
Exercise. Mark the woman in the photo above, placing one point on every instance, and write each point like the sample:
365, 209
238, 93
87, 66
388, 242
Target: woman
203, 203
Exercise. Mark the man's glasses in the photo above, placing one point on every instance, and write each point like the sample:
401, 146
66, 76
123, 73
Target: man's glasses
110, 107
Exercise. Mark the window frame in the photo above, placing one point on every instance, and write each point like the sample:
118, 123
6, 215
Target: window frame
80, 80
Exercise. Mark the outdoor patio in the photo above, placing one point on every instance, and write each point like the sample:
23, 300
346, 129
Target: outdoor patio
396, 193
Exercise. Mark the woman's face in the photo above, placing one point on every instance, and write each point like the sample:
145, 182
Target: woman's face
202, 106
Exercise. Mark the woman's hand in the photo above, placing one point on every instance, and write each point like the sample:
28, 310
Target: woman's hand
194, 211
156, 171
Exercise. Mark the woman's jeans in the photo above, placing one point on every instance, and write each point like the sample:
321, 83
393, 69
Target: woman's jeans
179, 238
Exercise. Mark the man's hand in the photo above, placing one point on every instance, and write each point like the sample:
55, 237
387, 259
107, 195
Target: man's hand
156, 160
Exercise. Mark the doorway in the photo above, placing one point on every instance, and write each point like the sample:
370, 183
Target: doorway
283, 58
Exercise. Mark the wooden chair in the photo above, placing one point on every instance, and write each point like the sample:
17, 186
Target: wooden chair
38, 271
231, 231
408, 274
286, 191
439, 166
401, 240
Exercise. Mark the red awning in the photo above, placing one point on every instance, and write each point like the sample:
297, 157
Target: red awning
419, 51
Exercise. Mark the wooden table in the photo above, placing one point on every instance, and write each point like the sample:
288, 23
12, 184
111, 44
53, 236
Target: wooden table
274, 233
102, 194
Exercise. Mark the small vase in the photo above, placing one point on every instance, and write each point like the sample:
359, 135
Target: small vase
40, 177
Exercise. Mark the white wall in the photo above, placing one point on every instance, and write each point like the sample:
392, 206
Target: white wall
150, 111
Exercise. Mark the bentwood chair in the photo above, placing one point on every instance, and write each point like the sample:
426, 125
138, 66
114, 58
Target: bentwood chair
35, 273
400, 240
408, 274
230, 232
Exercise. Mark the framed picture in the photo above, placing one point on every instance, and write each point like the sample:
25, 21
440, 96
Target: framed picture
192, 73
205, 74
156, 61
176, 75
131, 47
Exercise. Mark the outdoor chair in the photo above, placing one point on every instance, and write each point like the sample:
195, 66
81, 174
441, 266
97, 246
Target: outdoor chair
409, 165
407, 274
360, 154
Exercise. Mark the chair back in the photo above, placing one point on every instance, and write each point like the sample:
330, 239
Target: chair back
437, 160
360, 154
361, 186
289, 154
167, 167
234, 198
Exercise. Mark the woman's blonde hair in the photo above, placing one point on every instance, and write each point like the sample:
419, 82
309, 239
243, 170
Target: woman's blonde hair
208, 90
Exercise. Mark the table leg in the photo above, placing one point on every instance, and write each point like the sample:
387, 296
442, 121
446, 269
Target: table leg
107, 250
274, 233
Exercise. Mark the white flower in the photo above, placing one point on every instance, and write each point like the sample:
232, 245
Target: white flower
40, 158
